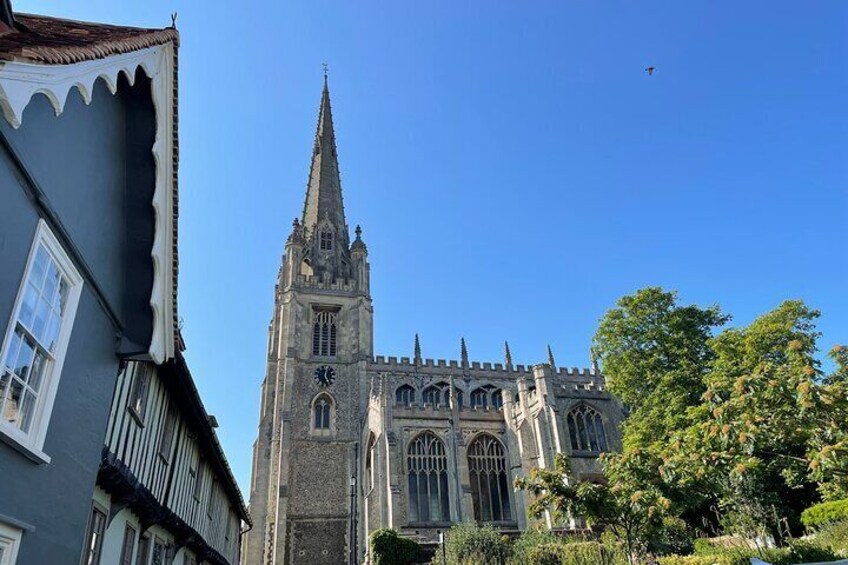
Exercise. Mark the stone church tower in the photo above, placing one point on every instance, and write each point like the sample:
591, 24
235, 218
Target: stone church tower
315, 389
350, 442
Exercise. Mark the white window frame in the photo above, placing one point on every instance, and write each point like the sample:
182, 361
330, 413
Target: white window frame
10, 542
31, 443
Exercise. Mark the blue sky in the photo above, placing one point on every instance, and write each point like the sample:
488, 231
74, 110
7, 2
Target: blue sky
513, 167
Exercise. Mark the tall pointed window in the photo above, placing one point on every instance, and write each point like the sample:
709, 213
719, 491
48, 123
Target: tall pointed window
326, 241
322, 415
427, 470
405, 396
324, 333
586, 430
487, 470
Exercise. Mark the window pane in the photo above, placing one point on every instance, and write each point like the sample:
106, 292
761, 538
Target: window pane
24, 360
28, 304
27, 410
36, 374
13, 402
51, 335
39, 324
443, 490
62, 297
51, 284
39, 267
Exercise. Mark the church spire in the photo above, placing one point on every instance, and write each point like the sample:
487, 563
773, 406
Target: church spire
417, 353
324, 190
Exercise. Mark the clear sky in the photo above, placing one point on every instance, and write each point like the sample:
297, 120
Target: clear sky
514, 168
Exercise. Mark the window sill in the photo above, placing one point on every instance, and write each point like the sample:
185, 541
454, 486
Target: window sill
24, 448
586, 454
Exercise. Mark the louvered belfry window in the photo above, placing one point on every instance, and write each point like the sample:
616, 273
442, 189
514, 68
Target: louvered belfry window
324, 333
586, 430
487, 469
427, 470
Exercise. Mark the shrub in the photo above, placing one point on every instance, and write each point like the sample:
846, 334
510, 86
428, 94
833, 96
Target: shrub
809, 551
825, 513
575, 553
388, 548
835, 537
469, 544
799, 551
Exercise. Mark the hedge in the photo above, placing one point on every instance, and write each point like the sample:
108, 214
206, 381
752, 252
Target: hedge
799, 551
825, 513
388, 548
575, 553
468, 544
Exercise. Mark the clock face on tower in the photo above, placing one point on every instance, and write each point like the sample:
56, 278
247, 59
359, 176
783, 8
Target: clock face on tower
324, 375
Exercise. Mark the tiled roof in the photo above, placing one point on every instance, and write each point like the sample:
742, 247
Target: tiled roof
55, 41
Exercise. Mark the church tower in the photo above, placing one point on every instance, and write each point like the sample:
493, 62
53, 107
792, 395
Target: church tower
315, 388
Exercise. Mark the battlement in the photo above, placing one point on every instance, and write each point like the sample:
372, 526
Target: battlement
475, 369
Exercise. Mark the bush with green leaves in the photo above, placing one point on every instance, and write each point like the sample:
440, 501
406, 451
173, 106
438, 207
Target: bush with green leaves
797, 551
825, 513
388, 548
470, 544
835, 537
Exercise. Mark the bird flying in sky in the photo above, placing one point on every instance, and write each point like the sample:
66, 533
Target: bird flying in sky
650, 70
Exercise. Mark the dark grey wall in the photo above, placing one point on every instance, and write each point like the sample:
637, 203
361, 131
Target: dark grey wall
95, 166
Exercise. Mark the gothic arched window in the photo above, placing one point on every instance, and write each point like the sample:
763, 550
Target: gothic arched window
324, 333
487, 469
459, 398
427, 470
322, 414
437, 395
480, 398
405, 396
586, 429
497, 399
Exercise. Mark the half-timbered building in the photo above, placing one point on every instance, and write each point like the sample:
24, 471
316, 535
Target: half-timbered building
165, 493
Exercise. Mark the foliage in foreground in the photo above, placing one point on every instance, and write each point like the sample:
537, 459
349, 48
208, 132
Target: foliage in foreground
825, 513
469, 544
388, 548
797, 552
743, 427
633, 517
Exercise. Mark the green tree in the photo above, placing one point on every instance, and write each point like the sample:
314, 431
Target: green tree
655, 355
758, 431
632, 515
828, 451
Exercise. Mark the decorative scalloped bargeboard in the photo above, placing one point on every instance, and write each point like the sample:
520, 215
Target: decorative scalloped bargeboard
21, 80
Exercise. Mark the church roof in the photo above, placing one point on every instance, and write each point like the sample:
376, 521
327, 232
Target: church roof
324, 190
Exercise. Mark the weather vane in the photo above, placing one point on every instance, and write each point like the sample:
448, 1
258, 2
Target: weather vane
325, 68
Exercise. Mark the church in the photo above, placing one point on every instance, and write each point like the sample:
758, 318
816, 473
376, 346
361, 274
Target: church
350, 442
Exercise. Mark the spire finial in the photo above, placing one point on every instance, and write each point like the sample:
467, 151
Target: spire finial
417, 351
507, 356
464, 353
358, 232
551, 360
